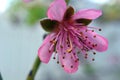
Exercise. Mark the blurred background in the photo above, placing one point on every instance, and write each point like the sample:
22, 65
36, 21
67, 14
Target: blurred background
21, 35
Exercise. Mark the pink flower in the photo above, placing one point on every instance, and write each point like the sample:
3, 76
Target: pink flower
70, 35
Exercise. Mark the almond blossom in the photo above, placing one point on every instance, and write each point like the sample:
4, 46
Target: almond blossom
70, 35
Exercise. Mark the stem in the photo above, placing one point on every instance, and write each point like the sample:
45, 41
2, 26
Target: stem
35, 67
0, 77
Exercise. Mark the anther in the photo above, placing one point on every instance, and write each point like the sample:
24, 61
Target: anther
49, 51
78, 52
78, 59
91, 48
81, 33
100, 29
54, 58
63, 57
61, 46
57, 62
68, 45
73, 53
93, 59
86, 37
69, 50
89, 42
64, 53
94, 53
72, 66
62, 65
86, 57
53, 41
55, 51
95, 44
94, 36
92, 30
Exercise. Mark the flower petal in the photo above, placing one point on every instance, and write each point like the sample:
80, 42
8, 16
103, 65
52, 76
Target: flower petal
95, 41
56, 10
43, 52
87, 14
102, 43
69, 61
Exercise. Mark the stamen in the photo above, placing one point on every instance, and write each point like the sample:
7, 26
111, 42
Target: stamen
86, 37
94, 36
53, 41
95, 28
78, 52
71, 66
55, 52
49, 51
95, 45
57, 62
76, 60
94, 53
100, 29
63, 57
89, 42
71, 47
54, 58
92, 30
93, 59
62, 65
81, 33
86, 57
61, 46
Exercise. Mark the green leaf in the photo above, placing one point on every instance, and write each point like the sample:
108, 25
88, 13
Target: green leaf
69, 12
84, 21
49, 25
67, 1
35, 13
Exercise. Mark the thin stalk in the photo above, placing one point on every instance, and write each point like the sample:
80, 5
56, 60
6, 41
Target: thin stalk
34, 69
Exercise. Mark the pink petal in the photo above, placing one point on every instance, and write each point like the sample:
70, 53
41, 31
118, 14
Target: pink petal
87, 14
56, 10
69, 60
70, 66
102, 43
43, 51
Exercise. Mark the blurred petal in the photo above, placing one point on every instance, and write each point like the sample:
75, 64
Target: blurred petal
95, 41
56, 10
43, 52
87, 14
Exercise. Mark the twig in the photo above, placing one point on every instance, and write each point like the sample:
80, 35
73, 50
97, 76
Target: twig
32, 73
